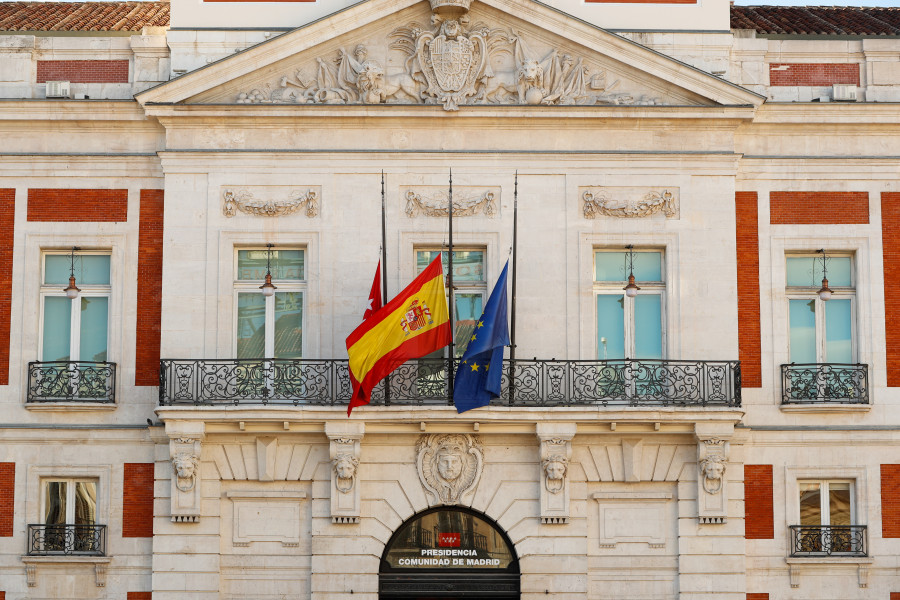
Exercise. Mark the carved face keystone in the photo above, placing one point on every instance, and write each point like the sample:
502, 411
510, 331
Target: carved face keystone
449, 465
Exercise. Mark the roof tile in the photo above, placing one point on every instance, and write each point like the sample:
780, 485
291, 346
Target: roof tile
817, 20
82, 16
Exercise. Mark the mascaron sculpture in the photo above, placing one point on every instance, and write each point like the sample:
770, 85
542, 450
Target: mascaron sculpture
449, 465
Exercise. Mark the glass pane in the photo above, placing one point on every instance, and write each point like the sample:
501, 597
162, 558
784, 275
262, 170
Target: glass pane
54, 502
810, 504
57, 328
839, 502
285, 265
251, 325
611, 266
468, 265
838, 330
468, 311
448, 539
610, 326
85, 503
90, 269
648, 326
288, 324
803, 331
806, 271
94, 324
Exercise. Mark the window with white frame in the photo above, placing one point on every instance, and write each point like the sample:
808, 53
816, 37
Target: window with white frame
69, 518
629, 327
469, 288
821, 331
827, 518
269, 326
78, 329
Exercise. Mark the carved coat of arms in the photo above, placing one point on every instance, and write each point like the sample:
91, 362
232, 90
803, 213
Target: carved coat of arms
452, 62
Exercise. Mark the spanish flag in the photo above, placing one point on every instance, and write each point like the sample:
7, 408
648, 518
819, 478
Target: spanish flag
415, 323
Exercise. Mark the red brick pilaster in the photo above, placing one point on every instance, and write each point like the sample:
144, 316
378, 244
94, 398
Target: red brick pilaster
890, 501
890, 245
137, 500
149, 300
7, 498
749, 339
758, 596
819, 208
77, 205
759, 520
137, 596
7, 231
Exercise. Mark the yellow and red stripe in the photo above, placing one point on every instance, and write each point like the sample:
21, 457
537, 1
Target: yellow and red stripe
389, 338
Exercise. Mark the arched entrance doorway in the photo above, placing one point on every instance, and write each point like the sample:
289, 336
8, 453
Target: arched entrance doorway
449, 553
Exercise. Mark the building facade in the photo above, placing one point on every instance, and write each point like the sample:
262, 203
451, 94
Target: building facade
729, 430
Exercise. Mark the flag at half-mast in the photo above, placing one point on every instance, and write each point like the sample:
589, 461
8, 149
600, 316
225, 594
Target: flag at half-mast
415, 323
478, 377
375, 295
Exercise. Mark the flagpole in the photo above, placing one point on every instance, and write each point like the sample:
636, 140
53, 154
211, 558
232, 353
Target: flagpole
512, 333
450, 288
384, 296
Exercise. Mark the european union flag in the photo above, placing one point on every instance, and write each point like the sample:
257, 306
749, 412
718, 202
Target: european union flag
478, 376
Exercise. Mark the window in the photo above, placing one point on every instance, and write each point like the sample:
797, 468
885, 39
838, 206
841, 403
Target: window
75, 330
468, 294
270, 326
629, 327
69, 519
827, 519
820, 331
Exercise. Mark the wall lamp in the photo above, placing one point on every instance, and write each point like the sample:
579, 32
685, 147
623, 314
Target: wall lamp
631, 289
267, 288
72, 290
824, 292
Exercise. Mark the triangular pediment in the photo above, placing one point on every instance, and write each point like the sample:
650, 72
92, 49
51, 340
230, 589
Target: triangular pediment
502, 52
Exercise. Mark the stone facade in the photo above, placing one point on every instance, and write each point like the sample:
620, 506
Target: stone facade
674, 142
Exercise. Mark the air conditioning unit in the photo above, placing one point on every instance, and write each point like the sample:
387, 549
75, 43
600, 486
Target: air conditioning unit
59, 89
843, 92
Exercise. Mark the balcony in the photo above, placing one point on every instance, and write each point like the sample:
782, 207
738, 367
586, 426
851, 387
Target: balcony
71, 381
825, 383
828, 540
53, 540
538, 383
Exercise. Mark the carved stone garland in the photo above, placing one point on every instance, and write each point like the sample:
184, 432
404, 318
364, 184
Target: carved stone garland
466, 202
615, 202
449, 465
448, 63
245, 201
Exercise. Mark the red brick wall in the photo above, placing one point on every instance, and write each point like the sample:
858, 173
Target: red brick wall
895, 595
7, 497
137, 596
149, 300
7, 227
818, 208
749, 342
890, 501
818, 74
759, 520
68, 205
890, 243
758, 596
83, 71
137, 500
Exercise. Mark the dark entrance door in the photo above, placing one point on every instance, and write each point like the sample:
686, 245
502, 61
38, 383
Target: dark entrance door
449, 554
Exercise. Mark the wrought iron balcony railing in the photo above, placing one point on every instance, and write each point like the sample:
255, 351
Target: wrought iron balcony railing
826, 540
71, 381
67, 539
528, 383
824, 383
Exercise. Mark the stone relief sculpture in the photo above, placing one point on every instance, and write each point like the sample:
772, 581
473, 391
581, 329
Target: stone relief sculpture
555, 468
185, 465
245, 201
713, 470
345, 472
447, 63
449, 465
466, 202
615, 203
